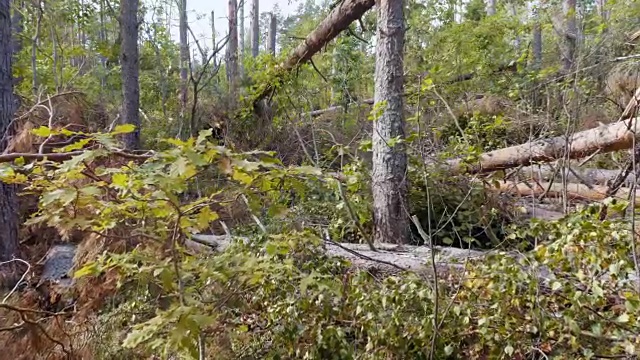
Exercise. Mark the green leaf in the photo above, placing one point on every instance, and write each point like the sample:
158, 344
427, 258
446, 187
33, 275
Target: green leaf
120, 180
123, 129
555, 285
42, 131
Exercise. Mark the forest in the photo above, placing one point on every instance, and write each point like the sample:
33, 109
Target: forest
350, 179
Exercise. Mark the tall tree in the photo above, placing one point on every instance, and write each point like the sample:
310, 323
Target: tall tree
537, 36
240, 23
389, 181
273, 27
129, 61
232, 48
184, 58
255, 28
570, 35
8, 200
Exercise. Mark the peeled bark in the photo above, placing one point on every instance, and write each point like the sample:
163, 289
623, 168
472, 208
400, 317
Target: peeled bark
273, 27
389, 183
8, 200
184, 59
338, 20
130, 71
255, 28
606, 138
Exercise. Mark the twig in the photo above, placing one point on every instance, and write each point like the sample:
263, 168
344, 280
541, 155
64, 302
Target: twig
352, 214
15, 287
255, 218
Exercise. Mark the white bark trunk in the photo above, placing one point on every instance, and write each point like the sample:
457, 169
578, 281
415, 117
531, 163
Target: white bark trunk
389, 183
491, 7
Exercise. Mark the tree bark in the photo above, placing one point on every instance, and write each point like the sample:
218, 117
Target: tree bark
570, 35
232, 50
389, 183
241, 51
273, 27
8, 199
184, 60
255, 28
130, 71
338, 20
606, 138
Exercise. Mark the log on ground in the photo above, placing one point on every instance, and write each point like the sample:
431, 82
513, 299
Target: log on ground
608, 138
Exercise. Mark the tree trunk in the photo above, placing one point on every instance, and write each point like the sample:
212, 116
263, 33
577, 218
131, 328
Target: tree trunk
389, 182
338, 20
607, 138
537, 37
491, 7
184, 60
34, 49
130, 69
570, 35
232, 50
213, 33
273, 27
241, 51
255, 28
8, 199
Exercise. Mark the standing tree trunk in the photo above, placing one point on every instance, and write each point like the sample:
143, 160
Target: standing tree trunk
184, 60
130, 68
8, 200
232, 50
255, 28
570, 35
213, 33
537, 37
491, 7
273, 27
240, 53
34, 49
389, 182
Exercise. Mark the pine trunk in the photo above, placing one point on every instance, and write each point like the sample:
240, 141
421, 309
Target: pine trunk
184, 60
273, 27
130, 71
255, 28
570, 35
232, 49
389, 182
8, 200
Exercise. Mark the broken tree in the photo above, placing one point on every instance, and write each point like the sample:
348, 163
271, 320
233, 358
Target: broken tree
338, 20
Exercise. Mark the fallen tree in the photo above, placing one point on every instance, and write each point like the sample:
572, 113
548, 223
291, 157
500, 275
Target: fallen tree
339, 19
573, 191
603, 139
573, 174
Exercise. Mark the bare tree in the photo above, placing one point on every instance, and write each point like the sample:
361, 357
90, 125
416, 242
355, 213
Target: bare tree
213, 30
255, 28
184, 58
130, 70
389, 183
8, 200
273, 27
570, 35
232, 49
